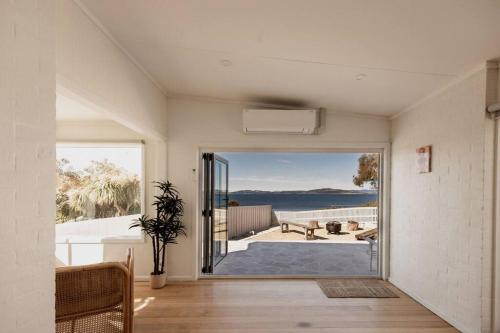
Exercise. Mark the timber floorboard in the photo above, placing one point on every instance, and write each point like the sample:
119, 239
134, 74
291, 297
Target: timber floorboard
265, 305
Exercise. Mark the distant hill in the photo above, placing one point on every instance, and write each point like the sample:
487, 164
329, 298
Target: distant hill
315, 191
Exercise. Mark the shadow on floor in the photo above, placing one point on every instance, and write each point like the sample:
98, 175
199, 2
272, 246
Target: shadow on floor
299, 258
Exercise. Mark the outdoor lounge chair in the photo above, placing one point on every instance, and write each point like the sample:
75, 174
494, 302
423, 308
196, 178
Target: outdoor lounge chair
372, 233
308, 228
95, 298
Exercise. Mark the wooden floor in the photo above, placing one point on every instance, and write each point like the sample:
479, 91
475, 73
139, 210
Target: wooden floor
263, 306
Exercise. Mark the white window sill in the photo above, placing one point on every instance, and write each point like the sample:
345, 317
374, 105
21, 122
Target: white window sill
136, 239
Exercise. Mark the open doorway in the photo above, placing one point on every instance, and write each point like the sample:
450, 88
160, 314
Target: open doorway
291, 213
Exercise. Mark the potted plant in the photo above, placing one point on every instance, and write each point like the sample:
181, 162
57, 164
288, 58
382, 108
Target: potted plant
163, 229
352, 225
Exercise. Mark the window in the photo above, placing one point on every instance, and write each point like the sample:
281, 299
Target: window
100, 189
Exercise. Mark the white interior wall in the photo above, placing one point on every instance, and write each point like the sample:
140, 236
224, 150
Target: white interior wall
439, 220
155, 169
488, 299
493, 97
93, 70
27, 197
194, 125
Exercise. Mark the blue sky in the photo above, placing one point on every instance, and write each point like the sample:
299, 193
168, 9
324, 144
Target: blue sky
291, 171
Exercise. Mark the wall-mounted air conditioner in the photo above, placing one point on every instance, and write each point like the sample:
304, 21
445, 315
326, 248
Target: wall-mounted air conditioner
280, 121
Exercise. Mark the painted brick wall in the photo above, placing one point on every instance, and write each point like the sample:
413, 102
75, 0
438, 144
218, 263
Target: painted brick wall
27, 127
437, 219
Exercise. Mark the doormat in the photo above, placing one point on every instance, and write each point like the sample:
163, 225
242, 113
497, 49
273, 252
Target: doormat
355, 288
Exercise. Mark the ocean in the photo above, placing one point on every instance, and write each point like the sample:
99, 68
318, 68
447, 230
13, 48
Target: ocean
296, 202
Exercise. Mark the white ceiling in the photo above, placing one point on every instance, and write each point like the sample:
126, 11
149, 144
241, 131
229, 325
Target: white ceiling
306, 52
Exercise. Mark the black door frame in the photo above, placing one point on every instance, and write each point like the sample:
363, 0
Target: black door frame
208, 212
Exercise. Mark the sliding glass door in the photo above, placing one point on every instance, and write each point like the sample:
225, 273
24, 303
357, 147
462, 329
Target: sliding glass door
215, 200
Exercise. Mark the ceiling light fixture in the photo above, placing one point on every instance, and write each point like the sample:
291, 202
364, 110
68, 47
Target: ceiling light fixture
226, 62
360, 76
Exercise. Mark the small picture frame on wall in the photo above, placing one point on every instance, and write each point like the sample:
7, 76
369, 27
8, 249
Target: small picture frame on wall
424, 155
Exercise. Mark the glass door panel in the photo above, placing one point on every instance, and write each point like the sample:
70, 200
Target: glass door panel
215, 200
220, 209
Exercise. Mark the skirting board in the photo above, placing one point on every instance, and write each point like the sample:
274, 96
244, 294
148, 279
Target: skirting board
430, 307
145, 278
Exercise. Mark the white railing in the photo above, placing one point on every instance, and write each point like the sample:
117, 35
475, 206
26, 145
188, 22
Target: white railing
92, 241
244, 219
97, 229
366, 216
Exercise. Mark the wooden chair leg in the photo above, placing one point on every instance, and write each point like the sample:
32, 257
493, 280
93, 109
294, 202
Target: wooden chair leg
309, 234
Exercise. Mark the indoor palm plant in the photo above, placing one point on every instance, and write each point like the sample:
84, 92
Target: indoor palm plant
163, 229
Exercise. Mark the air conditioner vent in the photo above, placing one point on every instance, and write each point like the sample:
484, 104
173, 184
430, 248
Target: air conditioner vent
303, 122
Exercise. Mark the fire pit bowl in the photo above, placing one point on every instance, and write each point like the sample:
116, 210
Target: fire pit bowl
333, 227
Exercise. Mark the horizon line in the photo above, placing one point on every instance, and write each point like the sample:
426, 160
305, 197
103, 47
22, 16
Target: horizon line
314, 189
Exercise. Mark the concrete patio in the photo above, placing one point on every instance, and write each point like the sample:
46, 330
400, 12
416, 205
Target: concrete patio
318, 258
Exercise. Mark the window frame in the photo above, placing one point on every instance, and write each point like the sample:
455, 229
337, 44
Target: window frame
120, 238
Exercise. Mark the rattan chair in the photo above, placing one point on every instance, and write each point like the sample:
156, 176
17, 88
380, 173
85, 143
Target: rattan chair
95, 298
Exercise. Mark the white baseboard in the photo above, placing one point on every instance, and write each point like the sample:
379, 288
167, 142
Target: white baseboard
141, 278
145, 278
180, 278
431, 307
